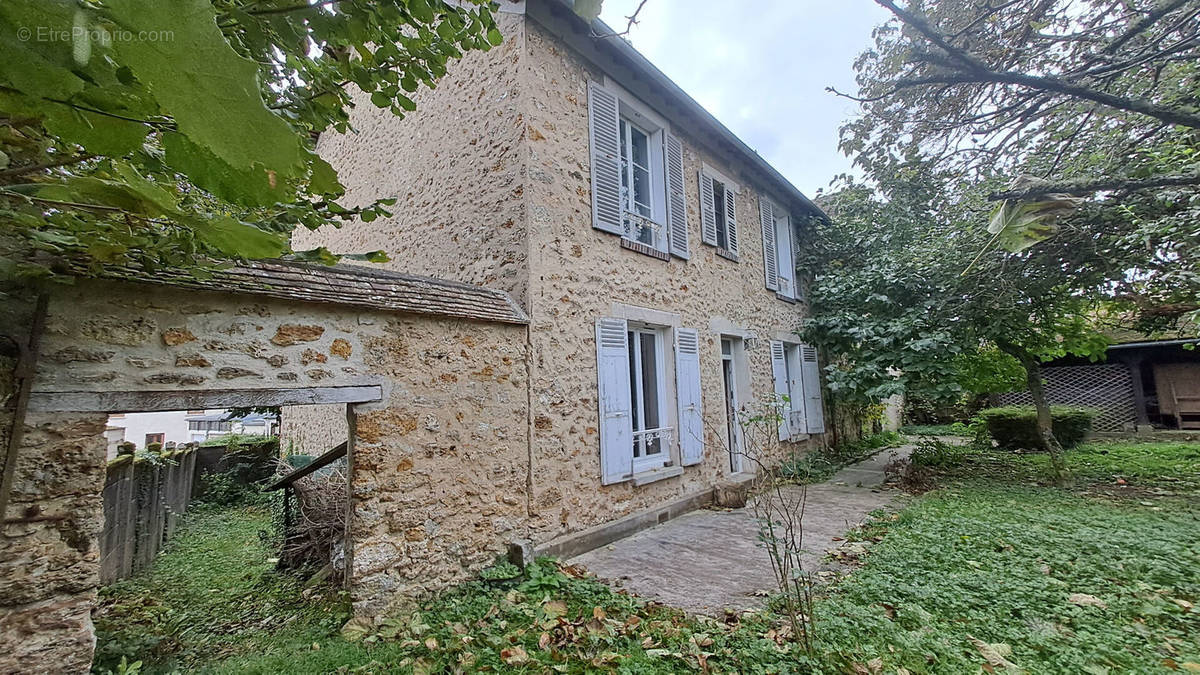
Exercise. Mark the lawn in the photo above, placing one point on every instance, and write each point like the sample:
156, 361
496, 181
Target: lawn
991, 568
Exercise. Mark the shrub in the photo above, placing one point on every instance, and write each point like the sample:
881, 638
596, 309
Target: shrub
1015, 427
933, 453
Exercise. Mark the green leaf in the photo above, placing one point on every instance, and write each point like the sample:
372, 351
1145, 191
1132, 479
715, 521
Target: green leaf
98, 134
209, 89
250, 187
324, 180
494, 37
237, 239
589, 9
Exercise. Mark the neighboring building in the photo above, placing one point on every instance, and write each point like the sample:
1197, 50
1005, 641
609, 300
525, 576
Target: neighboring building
1143, 382
185, 426
653, 251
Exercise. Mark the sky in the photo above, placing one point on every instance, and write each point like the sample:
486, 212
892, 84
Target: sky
761, 67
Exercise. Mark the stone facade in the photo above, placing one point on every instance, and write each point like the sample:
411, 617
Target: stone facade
49, 551
438, 462
499, 193
579, 273
463, 145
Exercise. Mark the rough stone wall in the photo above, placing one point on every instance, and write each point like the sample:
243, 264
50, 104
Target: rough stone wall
440, 472
312, 429
122, 337
577, 274
455, 165
50, 559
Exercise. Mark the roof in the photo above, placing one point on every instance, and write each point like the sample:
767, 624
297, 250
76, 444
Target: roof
344, 285
559, 17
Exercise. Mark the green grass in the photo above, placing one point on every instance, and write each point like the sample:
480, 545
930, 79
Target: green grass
211, 593
990, 558
933, 430
819, 465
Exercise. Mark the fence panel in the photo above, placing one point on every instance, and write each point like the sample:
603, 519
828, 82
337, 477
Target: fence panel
1106, 388
142, 504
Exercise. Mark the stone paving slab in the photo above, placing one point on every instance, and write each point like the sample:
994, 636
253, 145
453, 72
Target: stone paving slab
709, 560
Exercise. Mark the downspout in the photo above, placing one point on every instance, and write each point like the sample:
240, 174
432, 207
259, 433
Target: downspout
26, 370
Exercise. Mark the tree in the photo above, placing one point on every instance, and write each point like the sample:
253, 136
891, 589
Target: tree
908, 297
1069, 98
145, 133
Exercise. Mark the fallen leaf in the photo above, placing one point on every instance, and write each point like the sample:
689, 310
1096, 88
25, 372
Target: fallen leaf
555, 608
514, 655
598, 613
1191, 666
1182, 603
543, 641
431, 644
1085, 600
994, 653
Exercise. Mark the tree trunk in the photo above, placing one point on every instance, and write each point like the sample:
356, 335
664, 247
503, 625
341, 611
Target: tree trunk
1045, 421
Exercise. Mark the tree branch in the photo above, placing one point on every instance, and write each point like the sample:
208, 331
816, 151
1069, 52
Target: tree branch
22, 170
1090, 186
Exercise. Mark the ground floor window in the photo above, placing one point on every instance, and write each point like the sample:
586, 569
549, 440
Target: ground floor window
651, 435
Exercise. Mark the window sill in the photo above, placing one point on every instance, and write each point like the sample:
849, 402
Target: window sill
655, 475
787, 299
727, 254
639, 247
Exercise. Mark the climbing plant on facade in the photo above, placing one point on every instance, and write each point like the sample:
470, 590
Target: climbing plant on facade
144, 133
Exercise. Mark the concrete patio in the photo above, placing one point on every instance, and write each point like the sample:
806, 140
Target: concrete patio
709, 560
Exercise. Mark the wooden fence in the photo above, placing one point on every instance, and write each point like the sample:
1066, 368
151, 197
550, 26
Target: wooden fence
143, 500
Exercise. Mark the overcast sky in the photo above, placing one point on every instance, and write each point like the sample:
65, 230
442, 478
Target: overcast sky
761, 67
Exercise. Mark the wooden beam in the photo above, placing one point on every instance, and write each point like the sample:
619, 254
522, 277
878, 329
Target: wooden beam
26, 371
321, 462
177, 399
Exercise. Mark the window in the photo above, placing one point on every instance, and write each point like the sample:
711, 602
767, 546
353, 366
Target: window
637, 174
651, 435
155, 438
798, 385
783, 250
778, 249
718, 212
645, 424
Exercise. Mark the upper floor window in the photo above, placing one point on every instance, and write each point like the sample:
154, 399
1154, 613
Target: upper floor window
637, 174
642, 199
718, 212
779, 242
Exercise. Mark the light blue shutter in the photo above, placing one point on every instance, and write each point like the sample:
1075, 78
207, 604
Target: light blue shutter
731, 220
687, 385
814, 408
779, 371
766, 212
616, 408
676, 204
708, 211
604, 127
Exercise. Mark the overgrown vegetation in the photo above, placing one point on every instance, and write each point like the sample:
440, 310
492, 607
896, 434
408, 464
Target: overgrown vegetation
1016, 427
821, 463
994, 567
214, 592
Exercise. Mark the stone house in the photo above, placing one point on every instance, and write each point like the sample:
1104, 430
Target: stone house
653, 254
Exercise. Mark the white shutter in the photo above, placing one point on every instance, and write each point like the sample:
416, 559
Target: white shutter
676, 204
605, 136
813, 406
731, 220
708, 211
616, 408
766, 213
796, 423
779, 370
687, 384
